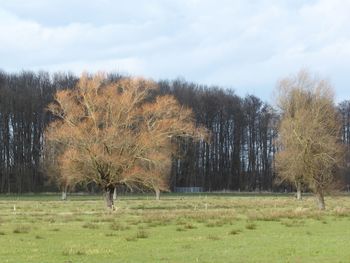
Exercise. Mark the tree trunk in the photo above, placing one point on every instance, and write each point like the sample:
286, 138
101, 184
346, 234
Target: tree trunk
115, 193
64, 194
109, 198
299, 197
320, 201
157, 194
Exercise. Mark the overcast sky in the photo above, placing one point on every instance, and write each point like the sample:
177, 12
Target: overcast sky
245, 45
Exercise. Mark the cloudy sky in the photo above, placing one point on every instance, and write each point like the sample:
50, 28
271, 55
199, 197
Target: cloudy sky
246, 45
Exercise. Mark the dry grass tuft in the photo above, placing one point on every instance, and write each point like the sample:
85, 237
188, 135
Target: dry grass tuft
341, 212
90, 226
21, 229
74, 252
214, 237
132, 238
293, 223
119, 227
189, 226
250, 226
142, 234
234, 232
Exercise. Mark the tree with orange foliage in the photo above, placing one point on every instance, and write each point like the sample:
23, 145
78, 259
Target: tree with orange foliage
117, 133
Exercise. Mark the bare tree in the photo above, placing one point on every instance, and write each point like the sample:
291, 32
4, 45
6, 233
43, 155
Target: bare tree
112, 133
309, 134
53, 167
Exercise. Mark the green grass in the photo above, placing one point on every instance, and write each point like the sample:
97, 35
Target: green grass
178, 228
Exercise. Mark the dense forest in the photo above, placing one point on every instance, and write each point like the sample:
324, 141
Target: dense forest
238, 156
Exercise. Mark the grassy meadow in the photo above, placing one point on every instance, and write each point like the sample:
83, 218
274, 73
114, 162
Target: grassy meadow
178, 228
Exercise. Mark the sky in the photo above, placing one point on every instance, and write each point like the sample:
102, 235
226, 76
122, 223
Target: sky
243, 45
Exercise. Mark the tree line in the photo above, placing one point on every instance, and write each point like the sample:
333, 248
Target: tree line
239, 154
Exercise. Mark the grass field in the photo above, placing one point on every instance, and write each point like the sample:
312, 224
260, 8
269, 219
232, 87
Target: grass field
187, 228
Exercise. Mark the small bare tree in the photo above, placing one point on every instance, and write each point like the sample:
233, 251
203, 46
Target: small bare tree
54, 169
310, 150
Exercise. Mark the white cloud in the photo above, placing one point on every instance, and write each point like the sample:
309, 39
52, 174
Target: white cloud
247, 45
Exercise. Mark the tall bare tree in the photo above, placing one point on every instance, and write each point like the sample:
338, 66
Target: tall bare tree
309, 134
